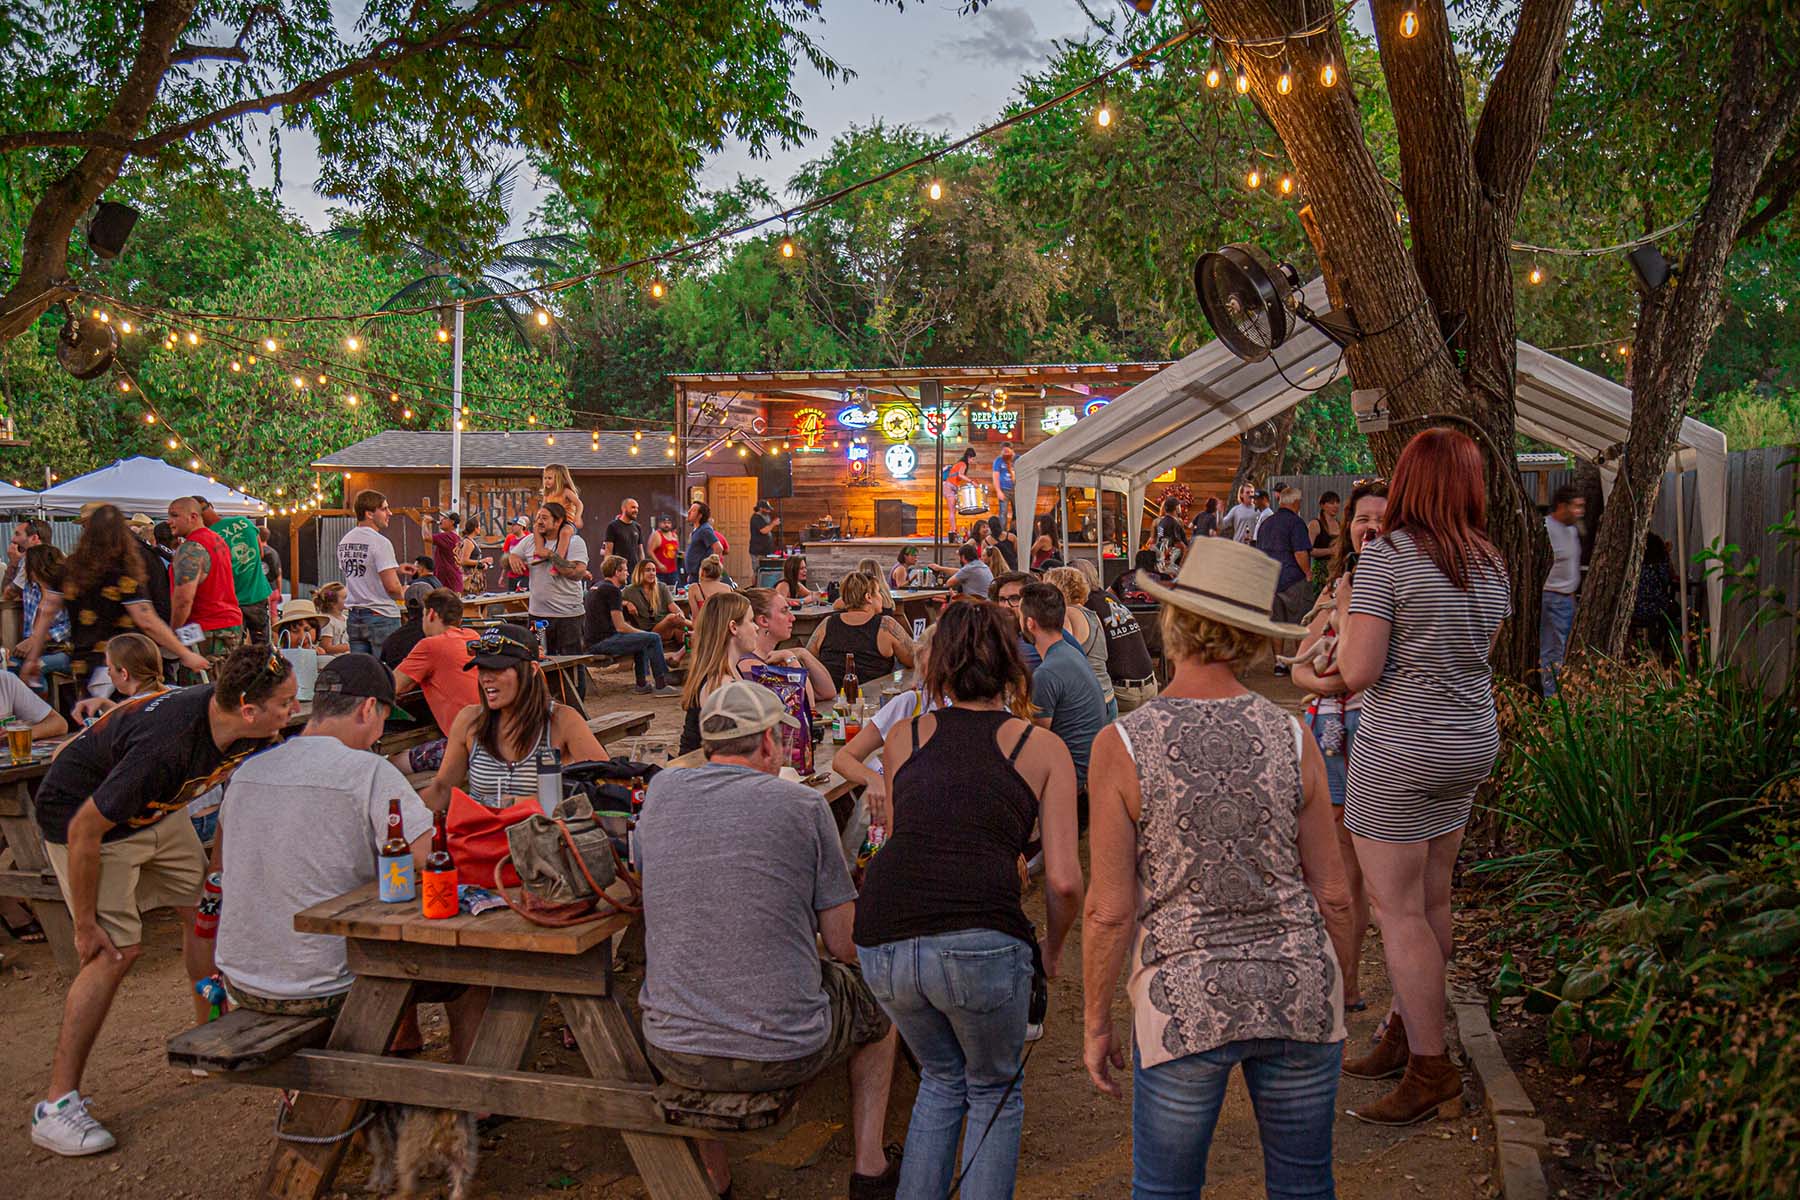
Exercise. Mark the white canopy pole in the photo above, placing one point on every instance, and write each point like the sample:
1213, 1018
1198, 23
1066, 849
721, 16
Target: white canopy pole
456, 417
1100, 527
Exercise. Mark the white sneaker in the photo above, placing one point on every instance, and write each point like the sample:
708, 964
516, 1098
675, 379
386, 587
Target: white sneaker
65, 1127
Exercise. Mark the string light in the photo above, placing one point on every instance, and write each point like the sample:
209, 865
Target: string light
193, 464
193, 339
1215, 74
632, 449
1284, 82
935, 191
149, 417
299, 383
1103, 115
670, 452
1286, 184
174, 443
236, 366
1536, 276
658, 289
271, 345
1624, 351
443, 335
1409, 23
1328, 73
406, 414
124, 326
1241, 81
531, 418
1253, 180
321, 379
353, 343
637, 435
743, 453
549, 439
542, 317
350, 399
787, 247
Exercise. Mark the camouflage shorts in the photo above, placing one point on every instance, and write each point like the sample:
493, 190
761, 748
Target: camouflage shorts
213, 647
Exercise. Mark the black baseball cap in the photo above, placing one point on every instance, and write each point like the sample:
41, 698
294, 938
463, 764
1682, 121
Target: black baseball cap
502, 646
356, 675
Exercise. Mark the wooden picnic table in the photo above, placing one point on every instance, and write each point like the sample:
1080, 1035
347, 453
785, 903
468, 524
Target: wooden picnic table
392, 949
490, 604
30, 878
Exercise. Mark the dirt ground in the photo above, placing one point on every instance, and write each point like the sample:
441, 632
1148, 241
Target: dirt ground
181, 1136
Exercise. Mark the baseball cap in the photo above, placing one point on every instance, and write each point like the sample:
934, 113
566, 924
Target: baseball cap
1261, 495
521, 520
502, 646
356, 675
414, 596
741, 708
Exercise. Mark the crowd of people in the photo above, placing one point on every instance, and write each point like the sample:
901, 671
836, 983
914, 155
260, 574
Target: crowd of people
1236, 852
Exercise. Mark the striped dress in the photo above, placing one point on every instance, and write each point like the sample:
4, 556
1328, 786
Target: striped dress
1428, 735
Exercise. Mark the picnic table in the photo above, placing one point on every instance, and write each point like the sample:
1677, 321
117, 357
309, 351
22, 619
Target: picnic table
30, 878
495, 604
392, 949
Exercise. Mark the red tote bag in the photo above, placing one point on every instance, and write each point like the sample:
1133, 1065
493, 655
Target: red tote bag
478, 837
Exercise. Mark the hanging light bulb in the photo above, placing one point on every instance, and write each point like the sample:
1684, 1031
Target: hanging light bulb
1328, 73
236, 366
631, 449
1409, 23
406, 414
1253, 180
443, 335
549, 439
350, 399
1241, 81
251, 359
787, 247
531, 418
1285, 184
935, 191
669, 452
1624, 351
299, 383
353, 343
193, 339
174, 442
271, 345
1536, 276
124, 326
1103, 115
1284, 82
637, 435
658, 289
1215, 74
193, 464
542, 317
671, 439
743, 452
321, 379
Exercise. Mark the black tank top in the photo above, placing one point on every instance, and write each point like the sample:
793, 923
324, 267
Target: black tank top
690, 730
863, 641
1324, 539
962, 817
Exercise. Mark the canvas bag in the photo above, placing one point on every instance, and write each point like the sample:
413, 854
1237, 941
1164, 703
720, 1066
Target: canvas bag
564, 863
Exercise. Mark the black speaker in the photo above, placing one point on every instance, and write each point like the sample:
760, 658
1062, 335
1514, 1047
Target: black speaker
775, 477
110, 227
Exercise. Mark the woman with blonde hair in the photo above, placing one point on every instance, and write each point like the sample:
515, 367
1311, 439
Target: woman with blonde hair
1081, 625
774, 623
723, 635
862, 633
650, 605
711, 582
872, 569
1214, 866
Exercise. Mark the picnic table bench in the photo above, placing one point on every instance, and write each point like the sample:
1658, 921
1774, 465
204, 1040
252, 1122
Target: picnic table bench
29, 878
391, 949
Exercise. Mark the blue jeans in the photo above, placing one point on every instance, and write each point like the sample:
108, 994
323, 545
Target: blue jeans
55, 662
1555, 619
367, 629
1175, 1107
960, 1000
1337, 765
646, 646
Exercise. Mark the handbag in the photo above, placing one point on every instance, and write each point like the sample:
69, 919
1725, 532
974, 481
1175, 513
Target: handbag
478, 834
564, 864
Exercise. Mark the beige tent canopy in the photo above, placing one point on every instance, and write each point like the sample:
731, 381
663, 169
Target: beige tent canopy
1212, 395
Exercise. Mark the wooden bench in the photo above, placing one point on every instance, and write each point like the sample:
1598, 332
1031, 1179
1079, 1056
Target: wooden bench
242, 1040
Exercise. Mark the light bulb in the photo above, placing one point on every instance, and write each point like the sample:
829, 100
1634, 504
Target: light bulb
1537, 274
236, 366
631, 449
743, 453
406, 414
193, 339
637, 435
1284, 82
935, 191
1624, 351
1409, 23
353, 344
1103, 116
251, 360
124, 326
350, 399
459, 423
1241, 82
549, 439
543, 318
531, 418
1328, 74
1215, 74
670, 452
1286, 184
101, 313
1253, 180
173, 443
671, 439
299, 382
193, 464
657, 289
271, 345
321, 379
443, 335
787, 247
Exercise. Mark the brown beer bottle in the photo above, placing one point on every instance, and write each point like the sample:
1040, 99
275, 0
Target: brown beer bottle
394, 865
438, 880
851, 692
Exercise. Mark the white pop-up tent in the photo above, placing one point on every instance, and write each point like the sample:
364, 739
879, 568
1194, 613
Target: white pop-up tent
13, 499
1212, 396
145, 485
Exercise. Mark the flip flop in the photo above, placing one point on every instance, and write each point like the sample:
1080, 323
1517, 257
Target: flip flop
30, 933
1351, 1006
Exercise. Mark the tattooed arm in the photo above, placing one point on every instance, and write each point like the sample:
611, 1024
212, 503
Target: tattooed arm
191, 565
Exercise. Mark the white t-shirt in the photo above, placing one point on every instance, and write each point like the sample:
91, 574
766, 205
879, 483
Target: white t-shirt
1240, 523
554, 595
362, 555
903, 707
1565, 543
18, 700
302, 824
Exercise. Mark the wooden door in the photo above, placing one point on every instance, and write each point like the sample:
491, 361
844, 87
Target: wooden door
733, 499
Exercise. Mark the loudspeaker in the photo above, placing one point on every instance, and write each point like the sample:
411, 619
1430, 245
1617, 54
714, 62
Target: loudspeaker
110, 227
775, 477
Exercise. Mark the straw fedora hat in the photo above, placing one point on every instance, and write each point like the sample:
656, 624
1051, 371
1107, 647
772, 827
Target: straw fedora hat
1227, 582
297, 610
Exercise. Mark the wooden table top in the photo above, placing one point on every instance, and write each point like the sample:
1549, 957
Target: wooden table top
361, 914
497, 599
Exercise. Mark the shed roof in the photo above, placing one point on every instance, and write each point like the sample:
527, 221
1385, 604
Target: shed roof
429, 450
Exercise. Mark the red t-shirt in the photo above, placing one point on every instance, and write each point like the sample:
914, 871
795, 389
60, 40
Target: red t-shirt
443, 560
436, 665
215, 599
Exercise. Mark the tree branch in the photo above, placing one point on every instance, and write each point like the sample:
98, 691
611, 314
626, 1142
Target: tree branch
1511, 128
387, 54
190, 54
1779, 185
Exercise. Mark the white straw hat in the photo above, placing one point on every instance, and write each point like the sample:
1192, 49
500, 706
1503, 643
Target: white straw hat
1227, 582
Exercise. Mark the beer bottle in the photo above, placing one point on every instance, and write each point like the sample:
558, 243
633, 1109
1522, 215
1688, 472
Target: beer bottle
851, 692
394, 868
438, 883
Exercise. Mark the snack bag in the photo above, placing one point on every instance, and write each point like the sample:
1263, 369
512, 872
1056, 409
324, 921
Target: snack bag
789, 683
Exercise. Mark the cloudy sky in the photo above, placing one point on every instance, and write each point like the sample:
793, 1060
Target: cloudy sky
928, 66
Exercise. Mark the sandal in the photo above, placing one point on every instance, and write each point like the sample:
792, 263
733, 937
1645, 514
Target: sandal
1351, 1006
30, 933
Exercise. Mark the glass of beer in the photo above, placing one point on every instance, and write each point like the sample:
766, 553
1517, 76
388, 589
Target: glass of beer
18, 742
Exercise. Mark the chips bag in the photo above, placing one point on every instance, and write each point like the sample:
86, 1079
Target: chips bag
789, 683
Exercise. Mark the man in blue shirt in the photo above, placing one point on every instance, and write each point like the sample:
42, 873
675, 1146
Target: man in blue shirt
1063, 688
1283, 537
702, 542
1003, 488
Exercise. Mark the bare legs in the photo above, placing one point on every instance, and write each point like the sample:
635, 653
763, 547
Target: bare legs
1408, 886
84, 1011
1351, 955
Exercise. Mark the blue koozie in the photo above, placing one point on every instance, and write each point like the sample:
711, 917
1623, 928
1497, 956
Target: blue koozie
397, 881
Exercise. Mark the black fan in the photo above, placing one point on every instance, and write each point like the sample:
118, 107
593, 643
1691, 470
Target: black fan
1247, 298
86, 346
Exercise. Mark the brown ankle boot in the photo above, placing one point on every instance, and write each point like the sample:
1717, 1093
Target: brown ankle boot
1387, 1059
1431, 1086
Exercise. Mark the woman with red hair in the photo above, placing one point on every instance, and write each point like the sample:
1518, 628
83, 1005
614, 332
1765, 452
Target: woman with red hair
1428, 598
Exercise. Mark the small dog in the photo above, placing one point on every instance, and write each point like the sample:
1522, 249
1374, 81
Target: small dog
1322, 656
405, 1140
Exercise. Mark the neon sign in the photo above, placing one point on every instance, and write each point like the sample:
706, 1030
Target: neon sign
901, 461
998, 421
853, 417
1095, 405
899, 424
1058, 417
809, 429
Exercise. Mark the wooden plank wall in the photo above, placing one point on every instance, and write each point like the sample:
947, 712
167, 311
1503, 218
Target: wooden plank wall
1760, 492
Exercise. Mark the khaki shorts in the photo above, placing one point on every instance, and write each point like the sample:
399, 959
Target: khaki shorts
856, 1020
1133, 696
163, 866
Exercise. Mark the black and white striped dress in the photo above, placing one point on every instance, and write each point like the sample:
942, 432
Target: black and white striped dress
1428, 735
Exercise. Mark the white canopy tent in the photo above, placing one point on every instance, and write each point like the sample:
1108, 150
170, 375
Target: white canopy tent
146, 485
14, 499
1212, 396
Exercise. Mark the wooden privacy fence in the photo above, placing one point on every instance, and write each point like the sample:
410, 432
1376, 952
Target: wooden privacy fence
1760, 492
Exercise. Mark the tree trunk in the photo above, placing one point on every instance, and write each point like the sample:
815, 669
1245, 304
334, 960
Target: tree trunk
1261, 450
44, 255
1675, 327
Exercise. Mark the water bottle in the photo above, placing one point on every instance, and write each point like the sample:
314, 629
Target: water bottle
549, 780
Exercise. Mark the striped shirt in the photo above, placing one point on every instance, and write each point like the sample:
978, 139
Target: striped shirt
493, 781
1428, 735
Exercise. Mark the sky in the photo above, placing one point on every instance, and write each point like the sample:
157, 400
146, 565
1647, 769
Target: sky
928, 65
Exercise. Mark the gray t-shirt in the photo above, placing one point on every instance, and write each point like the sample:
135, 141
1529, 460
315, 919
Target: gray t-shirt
737, 867
302, 824
972, 579
1063, 688
18, 700
555, 595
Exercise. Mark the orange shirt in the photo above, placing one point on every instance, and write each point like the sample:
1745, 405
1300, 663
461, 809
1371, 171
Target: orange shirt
436, 665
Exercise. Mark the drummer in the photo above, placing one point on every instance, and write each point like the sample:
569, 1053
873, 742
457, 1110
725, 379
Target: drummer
956, 475
972, 579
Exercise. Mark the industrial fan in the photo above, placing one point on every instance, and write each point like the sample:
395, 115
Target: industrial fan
86, 346
1251, 302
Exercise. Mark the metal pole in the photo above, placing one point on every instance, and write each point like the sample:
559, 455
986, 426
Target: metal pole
1062, 516
1100, 527
1681, 557
456, 418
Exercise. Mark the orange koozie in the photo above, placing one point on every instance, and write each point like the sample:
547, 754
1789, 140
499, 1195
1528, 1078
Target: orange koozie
437, 882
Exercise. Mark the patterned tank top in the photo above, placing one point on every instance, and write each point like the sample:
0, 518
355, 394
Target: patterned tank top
491, 780
1230, 944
